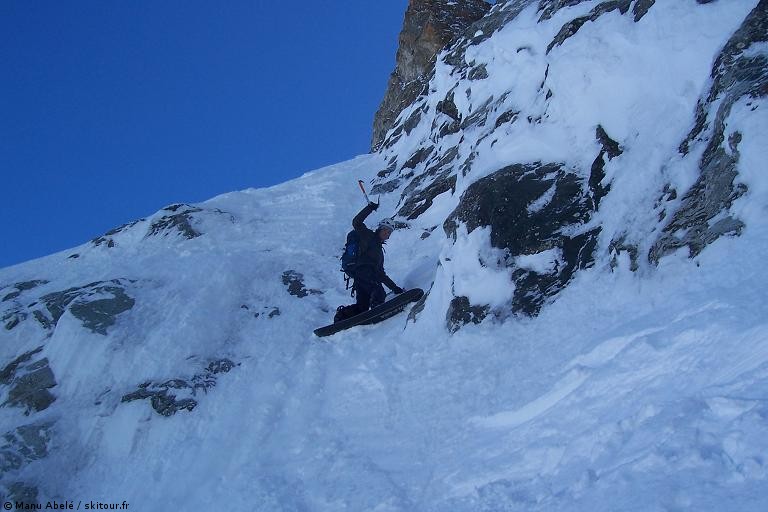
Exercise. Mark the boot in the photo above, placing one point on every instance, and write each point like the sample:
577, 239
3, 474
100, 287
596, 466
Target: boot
342, 313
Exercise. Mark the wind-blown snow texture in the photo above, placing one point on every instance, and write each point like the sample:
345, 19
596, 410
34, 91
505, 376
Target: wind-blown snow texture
614, 356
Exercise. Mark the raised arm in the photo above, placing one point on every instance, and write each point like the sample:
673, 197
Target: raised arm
358, 222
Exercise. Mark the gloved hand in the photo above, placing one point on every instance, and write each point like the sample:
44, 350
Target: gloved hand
373, 206
397, 290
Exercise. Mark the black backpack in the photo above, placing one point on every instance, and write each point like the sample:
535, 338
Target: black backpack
349, 256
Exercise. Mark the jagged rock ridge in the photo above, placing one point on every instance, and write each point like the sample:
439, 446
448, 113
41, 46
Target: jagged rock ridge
739, 72
429, 26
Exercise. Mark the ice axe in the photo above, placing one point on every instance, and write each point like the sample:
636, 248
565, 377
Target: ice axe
362, 189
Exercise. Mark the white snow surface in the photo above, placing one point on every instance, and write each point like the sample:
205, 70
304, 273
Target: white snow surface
644, 390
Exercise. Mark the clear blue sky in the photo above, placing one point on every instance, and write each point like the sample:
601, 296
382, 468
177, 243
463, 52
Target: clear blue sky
110, 110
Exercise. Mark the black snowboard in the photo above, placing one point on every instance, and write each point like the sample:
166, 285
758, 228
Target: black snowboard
375, 315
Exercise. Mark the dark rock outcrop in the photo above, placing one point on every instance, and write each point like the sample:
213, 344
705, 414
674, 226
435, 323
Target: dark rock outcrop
386, 187
268, 311
499, 15
461, 312
418, 157
174, 395
13, 318
641, 8
16, 313
620, 245
549, 7
438, 178
96, 304
19, 288
428, 27
31, 389
99, 314
737, 73
422, 201
573, 26
179, 220
23, 493
610, 150
29, 380
107, 238
295, 283
23, 445
530, 209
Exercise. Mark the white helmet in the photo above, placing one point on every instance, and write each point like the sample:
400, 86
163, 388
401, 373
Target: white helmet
386, 223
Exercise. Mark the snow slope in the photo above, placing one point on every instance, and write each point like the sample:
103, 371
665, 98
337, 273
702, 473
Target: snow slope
633, 389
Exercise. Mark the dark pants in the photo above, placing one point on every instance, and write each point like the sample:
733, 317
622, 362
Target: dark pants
369, 294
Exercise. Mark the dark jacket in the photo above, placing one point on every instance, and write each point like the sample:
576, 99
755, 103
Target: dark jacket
370, 259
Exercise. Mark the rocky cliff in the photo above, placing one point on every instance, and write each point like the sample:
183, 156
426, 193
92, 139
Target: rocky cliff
534, 156
428, 27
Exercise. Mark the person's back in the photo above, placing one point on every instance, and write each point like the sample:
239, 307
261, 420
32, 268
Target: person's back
370, 256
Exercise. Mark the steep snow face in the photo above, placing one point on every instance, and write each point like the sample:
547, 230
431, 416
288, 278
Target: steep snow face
563, 361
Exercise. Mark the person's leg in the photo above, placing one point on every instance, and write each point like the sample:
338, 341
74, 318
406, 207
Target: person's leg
362, 304
363, 291
378, 295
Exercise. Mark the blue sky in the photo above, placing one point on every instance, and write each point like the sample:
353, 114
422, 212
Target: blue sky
110, 110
